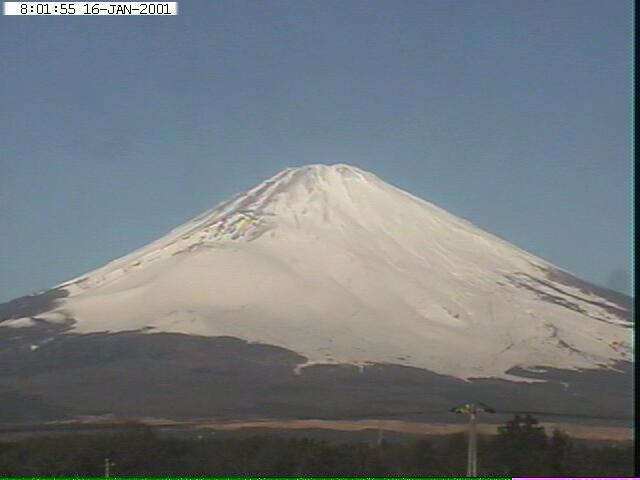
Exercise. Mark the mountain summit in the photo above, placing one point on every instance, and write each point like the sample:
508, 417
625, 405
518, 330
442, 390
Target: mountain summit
334, 264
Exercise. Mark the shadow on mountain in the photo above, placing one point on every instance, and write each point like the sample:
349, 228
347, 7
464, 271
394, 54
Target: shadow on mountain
135, 374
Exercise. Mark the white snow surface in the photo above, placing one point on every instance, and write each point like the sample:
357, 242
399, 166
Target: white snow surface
23, 322
337, 265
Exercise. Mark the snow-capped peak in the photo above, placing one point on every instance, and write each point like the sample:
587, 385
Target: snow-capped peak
337, 265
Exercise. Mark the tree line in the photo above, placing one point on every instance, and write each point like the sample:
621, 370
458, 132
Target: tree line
520, 448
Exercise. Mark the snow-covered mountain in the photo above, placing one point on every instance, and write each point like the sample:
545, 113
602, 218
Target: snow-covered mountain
334, 264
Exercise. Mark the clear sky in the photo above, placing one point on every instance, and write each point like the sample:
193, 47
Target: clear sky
515, 115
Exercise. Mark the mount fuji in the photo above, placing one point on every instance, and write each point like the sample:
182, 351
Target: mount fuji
322, 280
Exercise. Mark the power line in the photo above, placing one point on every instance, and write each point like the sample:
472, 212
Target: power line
371, 415
562, 414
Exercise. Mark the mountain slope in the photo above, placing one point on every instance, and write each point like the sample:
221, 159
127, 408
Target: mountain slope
339, 267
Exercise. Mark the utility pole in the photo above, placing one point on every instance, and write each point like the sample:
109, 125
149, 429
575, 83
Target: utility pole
107, 467
380, 434
472, 409
472, 451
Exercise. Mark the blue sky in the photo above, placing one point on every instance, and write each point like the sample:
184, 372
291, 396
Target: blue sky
514, 115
